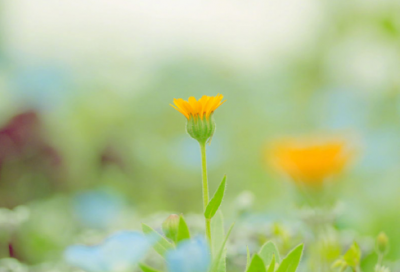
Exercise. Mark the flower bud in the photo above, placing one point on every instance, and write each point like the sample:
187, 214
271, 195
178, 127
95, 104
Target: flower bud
382, 243
201, 129
170, 227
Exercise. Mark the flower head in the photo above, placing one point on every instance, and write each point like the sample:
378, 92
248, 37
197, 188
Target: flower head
202, 108
200, 124
310, 160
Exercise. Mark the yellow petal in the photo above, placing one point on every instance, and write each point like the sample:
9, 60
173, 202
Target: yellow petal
202, 107
181, 111
195, 105
180, 104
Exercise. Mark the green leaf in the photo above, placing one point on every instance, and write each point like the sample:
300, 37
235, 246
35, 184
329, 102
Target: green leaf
217, 259
146, 268
218, 235
183, 230
256, 264
353, 255
222, 262
217, 230
248, 259
162, 245
216, 201
292, 260
271, 267
267, 251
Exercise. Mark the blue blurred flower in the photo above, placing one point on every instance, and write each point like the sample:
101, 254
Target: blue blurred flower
382, 150
43, 86
118, 253
97, 209
340, 108
189, 256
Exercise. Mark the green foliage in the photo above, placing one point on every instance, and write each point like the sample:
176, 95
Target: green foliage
218, 234
256, 264
353, 256
271, 267
216, 201
146, 268
162, 245
183, 230
217, 230
248, 259
268, 254
292, 260
217, 259
268, 251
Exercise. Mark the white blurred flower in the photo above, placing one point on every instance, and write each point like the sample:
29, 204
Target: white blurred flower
364, 60
380, 268
11, 219
12, 265
244, 200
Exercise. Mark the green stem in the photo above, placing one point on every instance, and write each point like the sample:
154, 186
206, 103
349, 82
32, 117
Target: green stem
205, 189
380, 259
204, 174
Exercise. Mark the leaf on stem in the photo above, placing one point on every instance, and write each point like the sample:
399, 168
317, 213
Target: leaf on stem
218, 236
216, 200
216, 261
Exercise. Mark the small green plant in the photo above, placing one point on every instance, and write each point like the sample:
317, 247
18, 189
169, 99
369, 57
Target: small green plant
352, 258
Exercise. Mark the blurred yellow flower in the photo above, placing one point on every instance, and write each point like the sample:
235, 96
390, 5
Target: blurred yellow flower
310, 161
203, 107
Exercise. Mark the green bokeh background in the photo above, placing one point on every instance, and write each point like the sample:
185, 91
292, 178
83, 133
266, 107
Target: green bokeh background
344, 81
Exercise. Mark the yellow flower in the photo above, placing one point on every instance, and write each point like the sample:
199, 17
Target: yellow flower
200, 124
310, 161
203, 107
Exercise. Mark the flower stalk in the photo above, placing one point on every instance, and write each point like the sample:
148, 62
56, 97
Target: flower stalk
201, 127
205, 189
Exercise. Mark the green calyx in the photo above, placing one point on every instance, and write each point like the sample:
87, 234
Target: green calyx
201, 129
